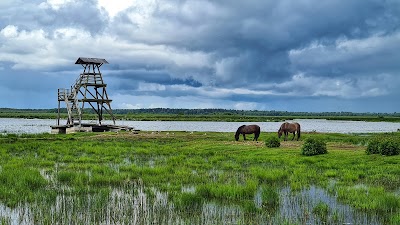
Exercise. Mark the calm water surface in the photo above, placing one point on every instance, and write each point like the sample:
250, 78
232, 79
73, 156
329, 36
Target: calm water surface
31, 126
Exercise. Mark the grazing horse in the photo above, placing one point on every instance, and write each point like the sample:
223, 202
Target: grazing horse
248, 129
287, 128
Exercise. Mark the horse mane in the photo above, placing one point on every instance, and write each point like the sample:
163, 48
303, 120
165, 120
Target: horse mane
240, 128
282, 127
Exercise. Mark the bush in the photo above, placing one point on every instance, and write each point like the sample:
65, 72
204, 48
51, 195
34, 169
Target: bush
272, 142
313, 146
373, 146
387, 146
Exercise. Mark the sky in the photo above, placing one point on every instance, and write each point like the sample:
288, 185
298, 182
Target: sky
297, 56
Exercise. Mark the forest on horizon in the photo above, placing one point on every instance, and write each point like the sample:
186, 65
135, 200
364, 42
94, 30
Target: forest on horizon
208, 111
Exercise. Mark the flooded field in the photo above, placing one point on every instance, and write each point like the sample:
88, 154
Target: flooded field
11, 125
135, 204
193, 177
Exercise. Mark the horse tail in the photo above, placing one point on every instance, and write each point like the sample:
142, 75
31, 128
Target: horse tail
258, 131
298, 131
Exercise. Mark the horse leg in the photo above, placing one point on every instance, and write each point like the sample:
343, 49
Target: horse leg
244, 136
256, 136
294, 134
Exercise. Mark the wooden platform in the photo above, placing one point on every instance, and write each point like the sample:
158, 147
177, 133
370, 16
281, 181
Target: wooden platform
67, 129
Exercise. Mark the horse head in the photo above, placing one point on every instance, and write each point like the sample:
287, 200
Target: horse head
280, 132
238, 131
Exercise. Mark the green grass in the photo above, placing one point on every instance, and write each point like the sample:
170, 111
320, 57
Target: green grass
20, 184
218, 168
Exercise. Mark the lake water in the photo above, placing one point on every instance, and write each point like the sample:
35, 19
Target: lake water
31, 126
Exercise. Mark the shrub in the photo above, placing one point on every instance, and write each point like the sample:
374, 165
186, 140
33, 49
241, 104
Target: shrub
272, 142
389, 147
313, 146
373, 146
386, 146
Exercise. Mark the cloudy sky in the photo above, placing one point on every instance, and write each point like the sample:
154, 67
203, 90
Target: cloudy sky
303, 55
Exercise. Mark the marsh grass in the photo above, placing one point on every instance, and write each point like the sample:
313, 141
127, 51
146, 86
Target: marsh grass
369, 198
269, 197
20, 184
90, 170
321, 210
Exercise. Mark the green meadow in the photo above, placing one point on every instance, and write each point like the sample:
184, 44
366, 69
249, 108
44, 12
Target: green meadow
194, 178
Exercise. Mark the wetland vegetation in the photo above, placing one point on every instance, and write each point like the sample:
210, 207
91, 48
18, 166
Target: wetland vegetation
195, 178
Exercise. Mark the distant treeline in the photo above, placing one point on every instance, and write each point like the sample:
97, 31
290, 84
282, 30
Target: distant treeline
208, 112
245, 112
169, 114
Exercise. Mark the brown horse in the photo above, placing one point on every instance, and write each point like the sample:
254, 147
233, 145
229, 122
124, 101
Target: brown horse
287, 128
248, 129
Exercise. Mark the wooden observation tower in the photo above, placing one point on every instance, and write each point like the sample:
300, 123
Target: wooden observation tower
89, 89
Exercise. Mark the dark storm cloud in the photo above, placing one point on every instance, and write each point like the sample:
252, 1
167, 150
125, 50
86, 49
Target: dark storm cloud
259, 25
250, 40
269, 45
258, 54
371, 49
131, 80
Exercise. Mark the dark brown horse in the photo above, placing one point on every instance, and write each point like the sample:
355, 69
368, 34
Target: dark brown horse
248, 129
287, 128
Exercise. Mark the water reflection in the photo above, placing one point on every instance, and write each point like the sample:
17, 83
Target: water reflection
299, 206
135, 204
32, 126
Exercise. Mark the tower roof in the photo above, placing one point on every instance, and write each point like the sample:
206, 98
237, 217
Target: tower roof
83, 60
